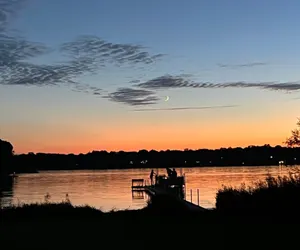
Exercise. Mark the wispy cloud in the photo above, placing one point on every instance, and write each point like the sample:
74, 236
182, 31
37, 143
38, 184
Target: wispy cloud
86, 88
85, 55
133, 97
253, 64
165, 82
8, 11
101, 52
88, 55
135, 81
169, 82
188, 108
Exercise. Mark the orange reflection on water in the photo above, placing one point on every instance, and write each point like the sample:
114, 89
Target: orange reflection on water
111, 189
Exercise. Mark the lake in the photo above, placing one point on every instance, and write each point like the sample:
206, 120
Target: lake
111, 189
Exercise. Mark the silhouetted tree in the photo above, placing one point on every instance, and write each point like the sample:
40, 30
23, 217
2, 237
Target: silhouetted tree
294, 139
6, 155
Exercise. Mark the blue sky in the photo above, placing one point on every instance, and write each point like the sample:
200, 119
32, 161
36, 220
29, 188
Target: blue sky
242, 48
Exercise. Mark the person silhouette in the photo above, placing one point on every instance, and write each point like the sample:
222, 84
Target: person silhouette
169, 171
174, 173
151, 176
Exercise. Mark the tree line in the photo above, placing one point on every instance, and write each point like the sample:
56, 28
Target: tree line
249, 156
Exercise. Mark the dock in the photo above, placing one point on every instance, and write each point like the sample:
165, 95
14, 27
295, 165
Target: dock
152, 191
140, 185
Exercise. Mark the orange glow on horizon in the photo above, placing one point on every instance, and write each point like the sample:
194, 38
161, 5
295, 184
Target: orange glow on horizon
135, 146
131, 136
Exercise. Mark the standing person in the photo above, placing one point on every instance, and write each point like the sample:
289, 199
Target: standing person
174, 173
151, 176
169, 172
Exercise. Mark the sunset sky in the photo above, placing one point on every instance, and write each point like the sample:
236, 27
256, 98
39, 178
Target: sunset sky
77, 76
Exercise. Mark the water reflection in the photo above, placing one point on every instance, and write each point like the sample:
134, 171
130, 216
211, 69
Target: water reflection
6, 191
209, 180
111, 189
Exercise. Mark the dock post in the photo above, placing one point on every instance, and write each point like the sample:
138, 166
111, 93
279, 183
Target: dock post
185, 197
198, 196
191, 196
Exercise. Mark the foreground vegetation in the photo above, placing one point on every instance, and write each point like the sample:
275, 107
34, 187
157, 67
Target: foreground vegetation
281, 194
246, 213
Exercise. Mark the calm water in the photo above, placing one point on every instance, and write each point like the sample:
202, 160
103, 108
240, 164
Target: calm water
111, 189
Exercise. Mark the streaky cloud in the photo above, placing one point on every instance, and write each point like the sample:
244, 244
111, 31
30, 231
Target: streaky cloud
86, 88
165, 82
187, 108
16, 68
85, 56
135, 81
103, 52
253, 64
14, 49
169, 82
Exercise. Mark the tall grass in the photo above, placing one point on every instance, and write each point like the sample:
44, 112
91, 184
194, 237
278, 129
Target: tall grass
274, 194
47, 209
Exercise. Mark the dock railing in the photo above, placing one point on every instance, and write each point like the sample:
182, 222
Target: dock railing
137, 183
193, 196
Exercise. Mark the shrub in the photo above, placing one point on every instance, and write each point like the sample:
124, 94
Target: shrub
274, 194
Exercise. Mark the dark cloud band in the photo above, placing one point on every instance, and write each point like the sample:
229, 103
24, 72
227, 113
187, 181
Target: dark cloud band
169, 82
133, 97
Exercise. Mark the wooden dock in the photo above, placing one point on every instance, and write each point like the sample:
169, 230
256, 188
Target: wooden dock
152, 191
139, 185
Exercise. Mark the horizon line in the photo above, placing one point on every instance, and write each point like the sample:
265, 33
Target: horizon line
157, 150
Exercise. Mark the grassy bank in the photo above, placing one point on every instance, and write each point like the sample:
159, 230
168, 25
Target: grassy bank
273, 195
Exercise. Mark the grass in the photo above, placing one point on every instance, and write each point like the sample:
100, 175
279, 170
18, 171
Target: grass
47, 211
161, 205
272, 195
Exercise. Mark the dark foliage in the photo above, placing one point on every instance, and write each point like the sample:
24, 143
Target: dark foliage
294, 139
273, 195
6, 163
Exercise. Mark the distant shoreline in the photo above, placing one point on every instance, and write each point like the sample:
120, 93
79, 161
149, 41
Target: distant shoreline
101, 160
148, 167
160, 168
